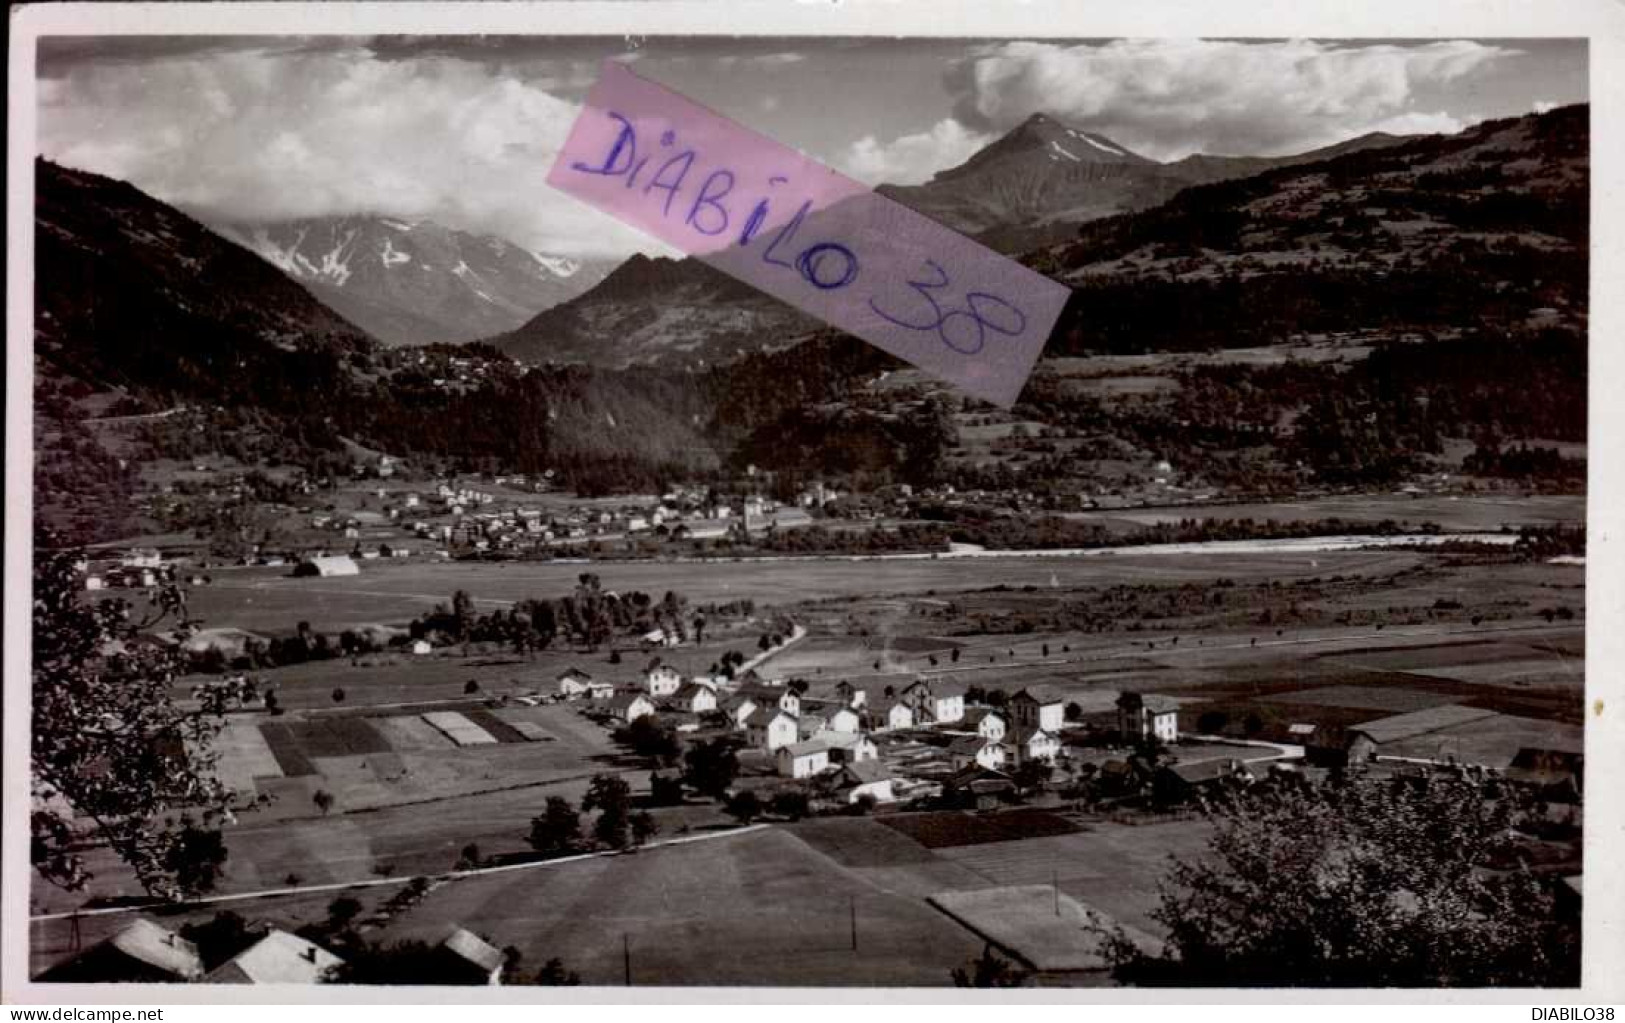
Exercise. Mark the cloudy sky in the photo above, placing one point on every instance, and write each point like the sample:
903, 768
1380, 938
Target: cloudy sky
462, 130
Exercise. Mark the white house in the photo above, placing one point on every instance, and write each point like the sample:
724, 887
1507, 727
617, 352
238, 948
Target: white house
421, 647
574, 682
695, 699
849, 747
1028, 744
803, 759
1037, 707
662, 680
973, 749
1143, 715
770, 727
946, 704
764, 695
989, 723
850, 695
601, 690
629, 707
845, 720
865, 778
935, 701
887, 717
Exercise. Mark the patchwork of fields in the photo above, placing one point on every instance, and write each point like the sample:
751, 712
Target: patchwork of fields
365, 761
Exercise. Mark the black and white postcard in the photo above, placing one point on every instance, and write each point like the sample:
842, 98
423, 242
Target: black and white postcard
897, 497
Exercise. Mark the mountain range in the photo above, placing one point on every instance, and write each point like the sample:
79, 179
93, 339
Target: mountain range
132, 293
1479, 235
1031, 187
412, 282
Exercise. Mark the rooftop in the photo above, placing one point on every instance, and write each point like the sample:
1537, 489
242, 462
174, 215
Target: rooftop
472, 947
1038, 694
806, 749
866, 772
277, 958
1420, 722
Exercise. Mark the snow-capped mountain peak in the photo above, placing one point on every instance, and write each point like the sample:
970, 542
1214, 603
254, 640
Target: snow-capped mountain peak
558, 266
459, 287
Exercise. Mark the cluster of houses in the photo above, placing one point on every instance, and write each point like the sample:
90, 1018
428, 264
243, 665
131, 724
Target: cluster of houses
145, 953
457, 515
808, 738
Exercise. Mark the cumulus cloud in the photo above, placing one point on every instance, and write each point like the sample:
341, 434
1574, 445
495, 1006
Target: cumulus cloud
255, 135
1169, 98
1543, 106
911, 159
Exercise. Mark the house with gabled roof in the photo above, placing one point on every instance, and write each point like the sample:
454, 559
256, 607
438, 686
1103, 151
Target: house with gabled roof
973, 749
803, 759
278, 958
979, 787
695, 699
890, 715
574, 682
739, 708
935, 701
865, 778
1148, 716
140, 953
845, 719
849, 747
662, 680
1028, 745
463, 957
1180, 782
1038, 707
629, 706
771, 727
786, 698
986, 722
1365, 740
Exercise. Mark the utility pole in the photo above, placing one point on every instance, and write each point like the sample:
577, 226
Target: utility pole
1055, 886
626, 956
854, 907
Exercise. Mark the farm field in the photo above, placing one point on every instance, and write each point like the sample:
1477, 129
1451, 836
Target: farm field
265, 849
419, 766
389, 593
399, 678
756, 908
395, 758
1464, 513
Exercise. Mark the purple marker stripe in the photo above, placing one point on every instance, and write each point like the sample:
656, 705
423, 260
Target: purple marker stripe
807, 235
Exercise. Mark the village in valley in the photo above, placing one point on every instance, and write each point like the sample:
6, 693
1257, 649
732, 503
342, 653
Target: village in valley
417, 604
995, 760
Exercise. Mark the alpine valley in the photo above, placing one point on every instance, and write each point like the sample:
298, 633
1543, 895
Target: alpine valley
1395, 308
